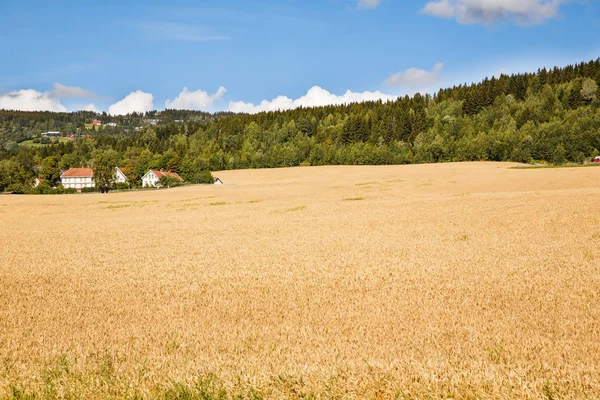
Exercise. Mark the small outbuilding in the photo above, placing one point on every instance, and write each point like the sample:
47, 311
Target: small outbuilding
217, 180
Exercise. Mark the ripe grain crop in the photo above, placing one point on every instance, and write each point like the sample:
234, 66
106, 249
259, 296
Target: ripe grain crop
464, 281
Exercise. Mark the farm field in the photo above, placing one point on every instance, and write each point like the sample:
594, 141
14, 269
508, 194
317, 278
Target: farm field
30, 142
443, 281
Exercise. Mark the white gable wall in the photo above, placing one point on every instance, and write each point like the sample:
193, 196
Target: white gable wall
150, 180
120, 177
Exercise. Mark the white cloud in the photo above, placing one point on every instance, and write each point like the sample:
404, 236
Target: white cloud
134, 102
315, 97
62, 92
501, 71
416, 78
88, 107
368, 3
198, 100
521, 12
30, 100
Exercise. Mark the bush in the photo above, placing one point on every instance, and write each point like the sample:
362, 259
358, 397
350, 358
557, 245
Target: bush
168, 181
202, 177
43, 188
60, 189
89, 190
16, 188
120, 186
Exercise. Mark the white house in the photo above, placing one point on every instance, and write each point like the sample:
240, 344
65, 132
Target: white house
120, 177
152, 177
78, 178
217, 180
38, 181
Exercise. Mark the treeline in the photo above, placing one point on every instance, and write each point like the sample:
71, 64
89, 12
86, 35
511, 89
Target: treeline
552, 115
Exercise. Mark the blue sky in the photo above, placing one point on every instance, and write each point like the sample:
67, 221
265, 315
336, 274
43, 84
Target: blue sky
235, 54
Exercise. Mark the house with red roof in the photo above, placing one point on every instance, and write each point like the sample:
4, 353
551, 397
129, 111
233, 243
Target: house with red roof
38, 181
152, 177
78, 178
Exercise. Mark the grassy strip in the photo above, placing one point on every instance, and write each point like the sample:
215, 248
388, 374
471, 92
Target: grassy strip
555, 166
208, 387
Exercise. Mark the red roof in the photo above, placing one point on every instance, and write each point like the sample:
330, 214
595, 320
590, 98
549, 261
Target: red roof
162, 172
79, 173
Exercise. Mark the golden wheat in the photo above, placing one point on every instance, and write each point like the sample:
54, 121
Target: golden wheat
468, 280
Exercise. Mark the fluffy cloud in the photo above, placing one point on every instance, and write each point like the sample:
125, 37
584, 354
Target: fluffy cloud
415, 78
198, 100
88, 107
316, 96
368, 3
137, 101
522, 12
62, 92
30, 100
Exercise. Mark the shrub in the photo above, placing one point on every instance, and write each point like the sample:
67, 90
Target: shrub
43, 188
16, 188
203, 177
120, 186
169, 181
89, 190
60, 189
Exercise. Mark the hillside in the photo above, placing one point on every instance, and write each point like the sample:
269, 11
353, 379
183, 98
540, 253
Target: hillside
550, 115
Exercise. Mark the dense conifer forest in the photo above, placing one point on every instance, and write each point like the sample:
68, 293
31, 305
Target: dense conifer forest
551, 115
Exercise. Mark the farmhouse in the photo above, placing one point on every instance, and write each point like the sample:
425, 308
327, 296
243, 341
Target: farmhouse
120, 176
78, 178
152, 177
38, 181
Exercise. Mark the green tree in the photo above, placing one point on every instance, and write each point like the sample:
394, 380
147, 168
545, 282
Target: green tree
104, 163
50, 170
589, 90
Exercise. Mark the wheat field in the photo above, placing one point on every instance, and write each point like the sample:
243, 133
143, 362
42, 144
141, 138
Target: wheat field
445, 281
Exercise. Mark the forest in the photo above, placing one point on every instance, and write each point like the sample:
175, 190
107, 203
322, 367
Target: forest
552, 115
